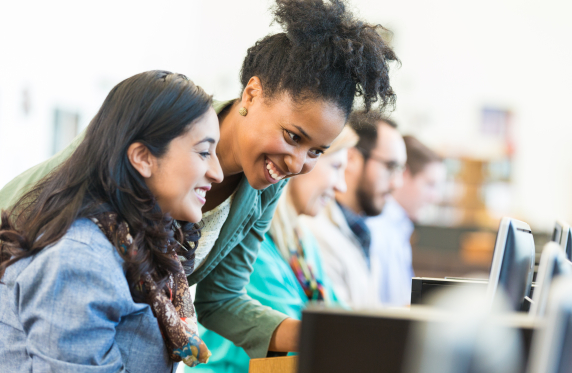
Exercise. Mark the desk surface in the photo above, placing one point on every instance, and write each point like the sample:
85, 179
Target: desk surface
285, 364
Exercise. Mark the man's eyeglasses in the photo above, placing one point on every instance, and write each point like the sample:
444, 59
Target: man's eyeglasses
392, 167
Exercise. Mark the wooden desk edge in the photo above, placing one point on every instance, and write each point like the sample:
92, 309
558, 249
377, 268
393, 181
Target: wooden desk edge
283, 364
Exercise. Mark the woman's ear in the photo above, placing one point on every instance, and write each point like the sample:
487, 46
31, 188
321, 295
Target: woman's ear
141, 159
252, 92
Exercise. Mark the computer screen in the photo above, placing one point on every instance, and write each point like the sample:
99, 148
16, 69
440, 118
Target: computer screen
342, 341
562, 234
557, 232
565, 360
566, 243
338, 341
513, 263
552, 343
553, 263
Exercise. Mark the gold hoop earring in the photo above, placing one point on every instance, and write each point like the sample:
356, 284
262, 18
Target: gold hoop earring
243, 111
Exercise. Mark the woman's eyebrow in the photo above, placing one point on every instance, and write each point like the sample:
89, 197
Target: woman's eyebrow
206, 139
303, 132
308, 136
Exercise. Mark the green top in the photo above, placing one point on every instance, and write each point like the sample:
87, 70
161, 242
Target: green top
274, 284
221, 301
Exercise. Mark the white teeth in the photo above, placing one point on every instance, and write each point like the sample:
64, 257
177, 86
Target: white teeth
276, 177
273, 172
201, 192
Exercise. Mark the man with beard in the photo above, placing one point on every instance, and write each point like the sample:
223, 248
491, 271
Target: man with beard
374, 170
391, 231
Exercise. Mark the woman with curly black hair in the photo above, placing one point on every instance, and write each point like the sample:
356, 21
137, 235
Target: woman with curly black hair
299, 87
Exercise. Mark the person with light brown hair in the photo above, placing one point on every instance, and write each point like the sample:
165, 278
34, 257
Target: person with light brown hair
392, 229
374, 170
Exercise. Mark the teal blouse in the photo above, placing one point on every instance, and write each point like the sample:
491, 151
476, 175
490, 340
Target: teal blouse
273, 284
221, 301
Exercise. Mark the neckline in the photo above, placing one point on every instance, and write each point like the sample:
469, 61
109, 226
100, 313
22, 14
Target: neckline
222, 205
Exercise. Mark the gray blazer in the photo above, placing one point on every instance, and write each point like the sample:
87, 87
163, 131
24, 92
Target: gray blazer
69, 309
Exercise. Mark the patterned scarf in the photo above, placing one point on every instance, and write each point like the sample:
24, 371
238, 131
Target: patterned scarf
313, 288
174, 311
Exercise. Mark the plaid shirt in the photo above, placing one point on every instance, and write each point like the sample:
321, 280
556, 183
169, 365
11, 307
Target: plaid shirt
359, 228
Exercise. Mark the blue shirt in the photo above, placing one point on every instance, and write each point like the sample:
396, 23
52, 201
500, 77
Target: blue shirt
69, 309
391, 250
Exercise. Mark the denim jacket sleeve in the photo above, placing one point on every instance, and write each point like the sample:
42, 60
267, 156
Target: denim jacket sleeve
70, 299
221, 300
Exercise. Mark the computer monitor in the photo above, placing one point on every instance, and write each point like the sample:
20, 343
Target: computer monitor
470, 339
552, 345
513, 263
339, 341
562, 235
553, 263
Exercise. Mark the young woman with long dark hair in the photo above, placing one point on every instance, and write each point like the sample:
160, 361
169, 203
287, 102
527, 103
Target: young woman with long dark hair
93, 259
299, 87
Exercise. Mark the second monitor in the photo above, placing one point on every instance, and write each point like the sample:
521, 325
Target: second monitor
513, 263
562, 235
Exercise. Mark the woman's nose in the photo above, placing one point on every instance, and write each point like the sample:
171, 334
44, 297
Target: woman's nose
214, 173
340, 186
295, 162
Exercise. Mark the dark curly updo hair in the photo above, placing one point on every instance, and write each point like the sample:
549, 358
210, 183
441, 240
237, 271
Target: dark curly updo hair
324, 53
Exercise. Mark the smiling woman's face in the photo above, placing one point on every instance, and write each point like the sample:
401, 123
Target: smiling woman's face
181, 177
279, 138
310, 193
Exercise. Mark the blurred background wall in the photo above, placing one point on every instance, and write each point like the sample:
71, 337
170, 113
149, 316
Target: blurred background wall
487, 84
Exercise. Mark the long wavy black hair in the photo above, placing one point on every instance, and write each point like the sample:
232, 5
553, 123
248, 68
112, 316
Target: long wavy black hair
324, 53
152, 108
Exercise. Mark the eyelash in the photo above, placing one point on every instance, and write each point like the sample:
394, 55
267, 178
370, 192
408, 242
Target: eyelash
293, 136
315, 153
205, 154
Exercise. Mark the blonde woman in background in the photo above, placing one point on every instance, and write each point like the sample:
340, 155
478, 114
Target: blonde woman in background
288, 273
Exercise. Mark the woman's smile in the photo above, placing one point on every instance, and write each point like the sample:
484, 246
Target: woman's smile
274, 173
201, 193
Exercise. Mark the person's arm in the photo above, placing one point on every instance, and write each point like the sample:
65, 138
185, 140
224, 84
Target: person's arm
274, 284
70, 301
223, 306
285, 337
